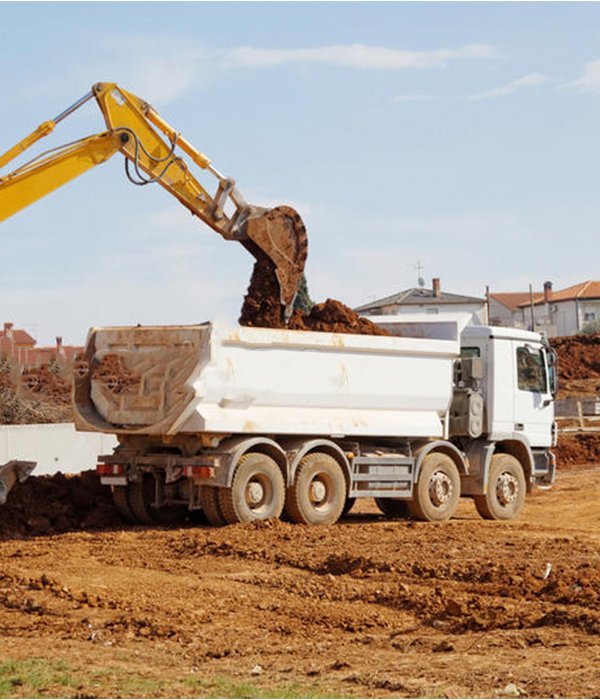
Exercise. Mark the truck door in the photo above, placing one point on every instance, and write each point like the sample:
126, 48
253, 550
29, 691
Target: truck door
533, 406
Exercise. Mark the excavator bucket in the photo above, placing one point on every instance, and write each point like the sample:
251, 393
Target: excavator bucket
280, 235
10, 473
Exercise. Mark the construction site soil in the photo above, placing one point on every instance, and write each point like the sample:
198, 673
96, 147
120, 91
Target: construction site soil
370, 607
262, 309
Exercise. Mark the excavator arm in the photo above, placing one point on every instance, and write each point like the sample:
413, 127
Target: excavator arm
152, 150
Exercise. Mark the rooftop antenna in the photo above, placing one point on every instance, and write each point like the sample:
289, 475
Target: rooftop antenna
420, 280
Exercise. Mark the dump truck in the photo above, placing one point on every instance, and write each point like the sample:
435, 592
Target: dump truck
248, 423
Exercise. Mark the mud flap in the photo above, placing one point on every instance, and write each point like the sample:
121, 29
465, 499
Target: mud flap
10, 473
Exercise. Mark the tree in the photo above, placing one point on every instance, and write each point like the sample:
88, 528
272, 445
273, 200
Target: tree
303, 302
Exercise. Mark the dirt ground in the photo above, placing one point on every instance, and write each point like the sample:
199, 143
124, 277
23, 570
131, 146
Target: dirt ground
367, 608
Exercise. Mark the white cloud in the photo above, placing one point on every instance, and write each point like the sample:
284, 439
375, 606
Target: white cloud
589, 81
412, 98
162, 68
528, 80
353, 56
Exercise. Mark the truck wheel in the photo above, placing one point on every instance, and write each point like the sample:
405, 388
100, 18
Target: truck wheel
257, 491
348, 505
141, 497
318, 494
506, 489
121, 501
209, 497
438, 489
393, 507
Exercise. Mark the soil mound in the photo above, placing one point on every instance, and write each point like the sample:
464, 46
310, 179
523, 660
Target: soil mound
15, 410
261, 308
334, 317
579, 356
50, 504
43, 382
577, 448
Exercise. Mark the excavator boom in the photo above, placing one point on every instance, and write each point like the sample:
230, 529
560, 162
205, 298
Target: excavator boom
152, 155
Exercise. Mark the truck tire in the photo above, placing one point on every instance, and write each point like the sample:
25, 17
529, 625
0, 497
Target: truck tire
209, 497
257, 491
437, 490
141, 498
121, 500
348, 505
506, 489
318, 494
393, 507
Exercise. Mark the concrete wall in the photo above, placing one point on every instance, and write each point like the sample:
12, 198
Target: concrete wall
55, 447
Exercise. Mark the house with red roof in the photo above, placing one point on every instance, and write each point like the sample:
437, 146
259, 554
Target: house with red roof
20, 347
558, 313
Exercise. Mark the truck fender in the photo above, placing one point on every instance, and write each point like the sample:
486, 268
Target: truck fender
446, 448
232, 449
479, 457
298, 449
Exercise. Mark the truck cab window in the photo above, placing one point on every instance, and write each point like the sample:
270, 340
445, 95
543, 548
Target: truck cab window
466, 352
531, 371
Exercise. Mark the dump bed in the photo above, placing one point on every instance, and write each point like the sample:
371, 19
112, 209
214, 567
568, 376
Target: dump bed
213, 378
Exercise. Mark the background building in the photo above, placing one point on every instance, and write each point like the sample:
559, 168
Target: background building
420, 300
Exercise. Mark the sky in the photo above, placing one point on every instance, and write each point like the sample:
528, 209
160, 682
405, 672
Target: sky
451, 140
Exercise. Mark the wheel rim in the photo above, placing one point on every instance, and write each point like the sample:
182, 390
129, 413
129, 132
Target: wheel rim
320, 491
507, 489
440, 488
258, 493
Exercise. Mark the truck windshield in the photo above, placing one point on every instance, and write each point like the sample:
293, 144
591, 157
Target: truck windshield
531, 370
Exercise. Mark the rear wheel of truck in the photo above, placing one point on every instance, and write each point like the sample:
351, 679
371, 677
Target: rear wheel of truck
318, 494
141, 499
506, 489
257, 491
438, 489
121, 500
209, 497
393, 507
348, 505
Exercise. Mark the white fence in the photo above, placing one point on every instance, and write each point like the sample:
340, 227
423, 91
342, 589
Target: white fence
56, 447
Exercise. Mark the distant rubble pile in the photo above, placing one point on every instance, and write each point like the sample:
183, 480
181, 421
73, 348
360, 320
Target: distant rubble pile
36, 395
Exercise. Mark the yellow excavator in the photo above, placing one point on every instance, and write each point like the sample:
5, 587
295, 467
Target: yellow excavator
153, 154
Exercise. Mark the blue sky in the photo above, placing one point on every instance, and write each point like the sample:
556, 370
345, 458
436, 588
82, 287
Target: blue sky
465, 136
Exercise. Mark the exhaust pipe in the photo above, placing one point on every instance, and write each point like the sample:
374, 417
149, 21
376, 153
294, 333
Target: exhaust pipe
10, 473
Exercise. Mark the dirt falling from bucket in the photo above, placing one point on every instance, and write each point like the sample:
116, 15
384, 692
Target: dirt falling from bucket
262, 308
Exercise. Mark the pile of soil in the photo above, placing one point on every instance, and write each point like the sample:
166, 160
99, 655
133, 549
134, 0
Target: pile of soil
262, 308
334, 317
579, 356
15, 410
41, 397
43, 382
577, 448
58, 503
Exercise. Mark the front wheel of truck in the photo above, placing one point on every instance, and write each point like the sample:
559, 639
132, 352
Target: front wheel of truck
318, 494
257, 491
506, 489
437, 490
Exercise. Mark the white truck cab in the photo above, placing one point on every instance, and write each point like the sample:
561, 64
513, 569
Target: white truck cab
518, 384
